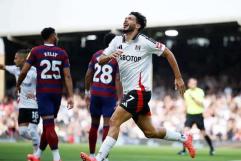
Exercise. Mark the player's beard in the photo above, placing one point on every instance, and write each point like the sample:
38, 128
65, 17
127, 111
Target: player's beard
130, 29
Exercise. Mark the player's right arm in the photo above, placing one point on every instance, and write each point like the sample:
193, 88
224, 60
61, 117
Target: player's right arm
111, 52
10, 68
106, 58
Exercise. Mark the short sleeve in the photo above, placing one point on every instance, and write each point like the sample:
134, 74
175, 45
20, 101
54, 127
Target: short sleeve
11, 69
31, 59
112, 47
66, 63
91, 63
155, 47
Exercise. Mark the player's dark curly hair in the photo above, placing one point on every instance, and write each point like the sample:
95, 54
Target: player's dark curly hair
46, 32
108, 38
140, 19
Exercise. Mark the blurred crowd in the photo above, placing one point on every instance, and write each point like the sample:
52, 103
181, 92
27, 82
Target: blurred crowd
222, 116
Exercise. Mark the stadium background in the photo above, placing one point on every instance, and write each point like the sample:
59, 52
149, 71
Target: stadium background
207, 47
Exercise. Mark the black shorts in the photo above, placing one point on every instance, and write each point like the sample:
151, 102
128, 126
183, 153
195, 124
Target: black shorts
27, 115
136, 103
195, 119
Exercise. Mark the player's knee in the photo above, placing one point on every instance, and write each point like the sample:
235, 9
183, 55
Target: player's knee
32, 131
149, 133
23, 131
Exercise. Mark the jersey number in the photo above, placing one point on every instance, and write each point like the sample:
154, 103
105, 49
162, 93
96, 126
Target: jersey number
35, 116
105, 76
50, 65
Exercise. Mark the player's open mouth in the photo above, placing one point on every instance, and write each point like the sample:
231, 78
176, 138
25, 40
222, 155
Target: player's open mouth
125, 26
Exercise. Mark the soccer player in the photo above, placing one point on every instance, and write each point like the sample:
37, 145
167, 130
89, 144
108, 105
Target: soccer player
102, 84
133, 52
194, 98
53, 71
28, 117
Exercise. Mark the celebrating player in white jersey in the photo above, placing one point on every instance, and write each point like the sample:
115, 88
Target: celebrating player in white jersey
133, 52
28, 117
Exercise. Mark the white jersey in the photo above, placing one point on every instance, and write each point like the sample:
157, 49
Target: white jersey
135, 63
27, 96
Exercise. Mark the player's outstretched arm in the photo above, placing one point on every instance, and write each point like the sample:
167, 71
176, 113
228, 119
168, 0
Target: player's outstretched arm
69, 86
2, 67
22, 75
179, 83
103, 59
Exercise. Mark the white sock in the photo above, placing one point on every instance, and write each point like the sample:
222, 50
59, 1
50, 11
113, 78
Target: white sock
23, 131
92, 155
56, 155
174, 136
38, 153
33, 132
105, 148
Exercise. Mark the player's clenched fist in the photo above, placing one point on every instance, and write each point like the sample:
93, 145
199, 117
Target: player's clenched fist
70, 102
116, 54
180, 86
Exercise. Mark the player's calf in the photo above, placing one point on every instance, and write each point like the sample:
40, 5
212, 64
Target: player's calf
23, 131
33, 132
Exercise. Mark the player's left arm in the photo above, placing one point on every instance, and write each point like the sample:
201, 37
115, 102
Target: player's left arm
69, 86
179, 83
88, 79
22, 75
198, 99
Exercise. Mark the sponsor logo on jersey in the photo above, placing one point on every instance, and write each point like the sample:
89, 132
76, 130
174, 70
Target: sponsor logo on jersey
119, 47
130, 58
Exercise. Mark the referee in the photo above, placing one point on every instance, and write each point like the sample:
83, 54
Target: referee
194, 98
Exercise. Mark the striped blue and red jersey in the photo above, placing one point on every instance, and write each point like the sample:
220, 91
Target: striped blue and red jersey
104, 78
49, 61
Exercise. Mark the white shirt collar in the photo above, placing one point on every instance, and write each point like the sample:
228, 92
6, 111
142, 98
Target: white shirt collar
47, 44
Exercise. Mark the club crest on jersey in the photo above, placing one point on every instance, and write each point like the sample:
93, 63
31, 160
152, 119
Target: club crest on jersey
119, 47
138, 47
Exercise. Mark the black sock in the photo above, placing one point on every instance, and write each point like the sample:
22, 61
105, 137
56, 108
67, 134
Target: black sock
209, 141
183, 149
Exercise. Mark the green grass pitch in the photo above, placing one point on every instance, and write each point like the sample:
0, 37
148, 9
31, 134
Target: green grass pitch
18, 151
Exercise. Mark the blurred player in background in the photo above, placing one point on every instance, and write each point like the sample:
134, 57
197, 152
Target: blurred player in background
102, 85
53, 71
28, 117
194, 98
133, 52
